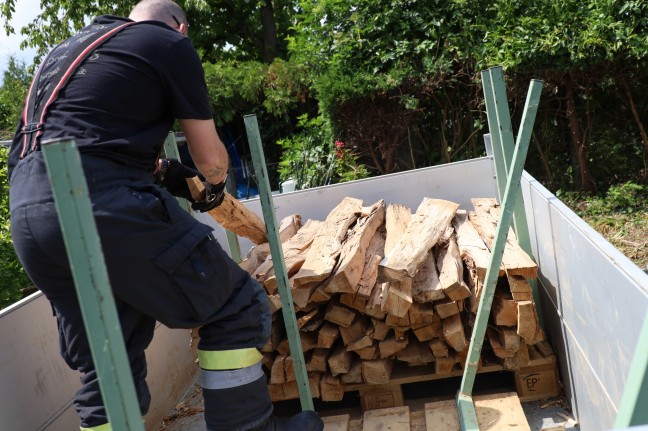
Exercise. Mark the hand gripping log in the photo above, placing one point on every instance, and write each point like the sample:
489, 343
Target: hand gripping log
232, 214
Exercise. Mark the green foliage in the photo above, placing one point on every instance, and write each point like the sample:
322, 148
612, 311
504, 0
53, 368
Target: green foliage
313, 158
12, 275
15, 84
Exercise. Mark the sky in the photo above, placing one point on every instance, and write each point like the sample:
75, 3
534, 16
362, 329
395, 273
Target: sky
26, 11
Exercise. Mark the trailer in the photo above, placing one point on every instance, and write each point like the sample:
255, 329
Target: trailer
593, 301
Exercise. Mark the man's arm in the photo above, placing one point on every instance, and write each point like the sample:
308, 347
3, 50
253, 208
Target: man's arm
206, 149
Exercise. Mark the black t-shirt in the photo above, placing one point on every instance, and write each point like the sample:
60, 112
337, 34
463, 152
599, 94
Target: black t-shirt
122, 100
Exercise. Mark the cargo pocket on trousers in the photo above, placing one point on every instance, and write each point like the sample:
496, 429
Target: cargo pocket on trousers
198, 271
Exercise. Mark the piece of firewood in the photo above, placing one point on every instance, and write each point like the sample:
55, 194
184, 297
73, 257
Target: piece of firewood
528, 325
451, 271
444, 365
485, 219
360, 343
353, 301
520, 288
308, 340
354, 375
398, 298
471, 245
302, 295
439, 348
426, 226
275, 303
232, 214
378, 371
351, 263
323, 253
446, 308
327, 335
368, 353
317, 362
340, 360
277, 373
453, 332
374, 307
356, 330
398, 322
390, 346
428, 332
416, 353
422, 315
294, 252
289, 369
425, 284
375, 253
331, 388
380, 329
496, 343
475, 285
504, 311
339, 314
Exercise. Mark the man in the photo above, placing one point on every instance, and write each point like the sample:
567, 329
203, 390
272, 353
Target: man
116, 88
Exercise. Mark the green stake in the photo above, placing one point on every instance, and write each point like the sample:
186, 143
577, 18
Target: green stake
92, 286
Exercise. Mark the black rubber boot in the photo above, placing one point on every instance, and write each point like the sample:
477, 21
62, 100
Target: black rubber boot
303, 421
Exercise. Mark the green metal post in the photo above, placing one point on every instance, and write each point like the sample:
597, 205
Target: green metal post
91, 280
287, 306
632, 410
497, 109
171, 151
465, 405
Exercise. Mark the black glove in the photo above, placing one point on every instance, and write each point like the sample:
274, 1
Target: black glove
214, 195
173, 175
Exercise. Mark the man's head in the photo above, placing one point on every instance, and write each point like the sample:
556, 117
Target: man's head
166, 11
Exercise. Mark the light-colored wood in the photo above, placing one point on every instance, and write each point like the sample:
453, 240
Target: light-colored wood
275, 303
355, 373
377, 371
354, 301
232, 214
528, 325
475, 285
375, 253
327, 335
453, 332
360, 343
443, 366
294, 252
255, 257
422, 315
446, 308
374, 304
485, 219
336, 423
393, 419
323, 254
352, 256
380, 397
356, 330
317, 362
368, 353
425, 285
504, 311
380, 329
498, 348
520, 288
303, 295
428, 332
277, 373
391, 345
471, 245
340, 361
398, 299
494, 413
331, 388
416, 353
426, 226
289, 369
339, 314
451, 271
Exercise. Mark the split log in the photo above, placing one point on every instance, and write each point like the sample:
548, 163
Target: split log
504, 311
323, 253
340, 361
378, 371
453, 332
352, 258
520, 288
451, 272
327, 335
471, 245
317, 362
439, 348
390, 346
397, 295
425, 285
528, 326
354, 375
485, 219
426, 226
375, 253
331, 388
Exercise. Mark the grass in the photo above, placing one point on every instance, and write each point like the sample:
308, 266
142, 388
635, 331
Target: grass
621, 216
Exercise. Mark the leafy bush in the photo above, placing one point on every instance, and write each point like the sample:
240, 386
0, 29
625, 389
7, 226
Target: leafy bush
314, 158
12, 276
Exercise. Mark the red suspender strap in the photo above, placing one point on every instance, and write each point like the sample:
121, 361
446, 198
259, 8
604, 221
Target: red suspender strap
49, 80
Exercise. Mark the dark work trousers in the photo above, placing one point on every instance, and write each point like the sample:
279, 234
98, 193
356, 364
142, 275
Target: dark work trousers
162, 265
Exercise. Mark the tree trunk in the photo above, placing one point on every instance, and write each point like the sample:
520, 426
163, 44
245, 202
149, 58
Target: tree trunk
270, 44
577, 142
635, 114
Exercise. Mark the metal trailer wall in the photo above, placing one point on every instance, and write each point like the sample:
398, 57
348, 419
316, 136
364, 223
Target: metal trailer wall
594, 301
37, 387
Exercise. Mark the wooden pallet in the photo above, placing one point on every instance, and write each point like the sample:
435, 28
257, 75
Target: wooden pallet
500, 412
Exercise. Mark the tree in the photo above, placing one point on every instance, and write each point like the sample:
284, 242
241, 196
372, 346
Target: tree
15, 83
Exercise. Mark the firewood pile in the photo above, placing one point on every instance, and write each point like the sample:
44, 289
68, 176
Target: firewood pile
377, 287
